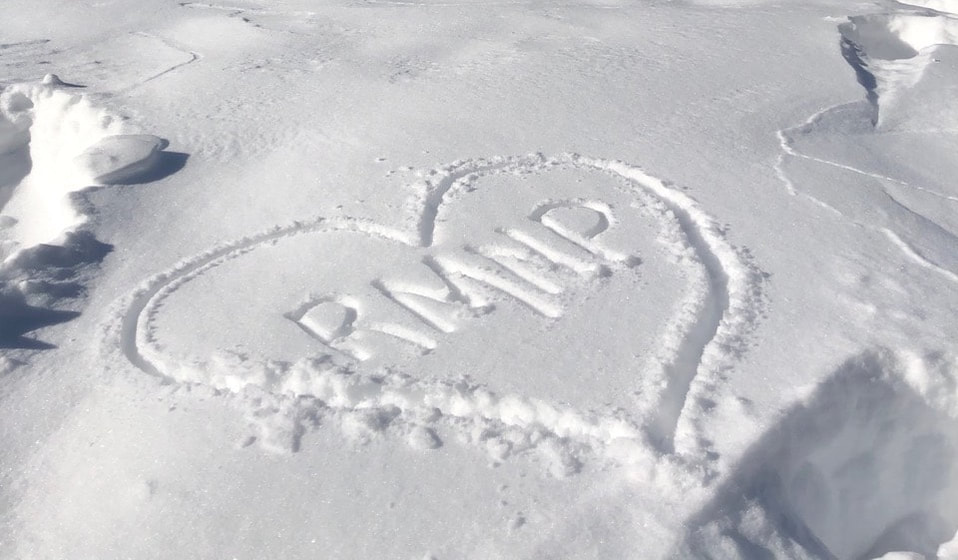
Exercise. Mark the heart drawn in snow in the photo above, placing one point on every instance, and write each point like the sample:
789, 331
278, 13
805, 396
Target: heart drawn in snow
572, 296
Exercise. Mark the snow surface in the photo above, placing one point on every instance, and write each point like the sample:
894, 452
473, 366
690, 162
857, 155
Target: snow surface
474, 279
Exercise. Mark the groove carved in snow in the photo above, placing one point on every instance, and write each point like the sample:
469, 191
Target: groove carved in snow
475, 310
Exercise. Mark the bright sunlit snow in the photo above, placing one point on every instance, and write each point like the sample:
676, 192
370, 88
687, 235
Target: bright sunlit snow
362, 279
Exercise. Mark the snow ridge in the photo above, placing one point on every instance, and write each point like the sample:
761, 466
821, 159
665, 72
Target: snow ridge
830, 479
890, 53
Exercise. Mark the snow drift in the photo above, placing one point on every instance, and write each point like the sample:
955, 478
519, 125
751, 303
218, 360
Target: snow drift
866, 466
53, 145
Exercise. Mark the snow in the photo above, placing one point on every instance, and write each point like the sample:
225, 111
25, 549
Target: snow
121, 158
469, 279
54, 125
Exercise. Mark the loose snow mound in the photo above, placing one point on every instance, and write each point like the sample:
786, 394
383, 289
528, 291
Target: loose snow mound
122, 158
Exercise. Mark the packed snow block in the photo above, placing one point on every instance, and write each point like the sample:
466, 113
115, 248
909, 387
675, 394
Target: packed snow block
122, 158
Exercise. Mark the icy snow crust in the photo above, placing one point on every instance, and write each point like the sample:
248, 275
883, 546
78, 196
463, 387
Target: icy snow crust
479, 280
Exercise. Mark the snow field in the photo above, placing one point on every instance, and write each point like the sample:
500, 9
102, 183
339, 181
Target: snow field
572, 313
